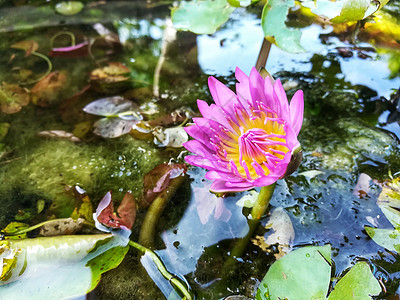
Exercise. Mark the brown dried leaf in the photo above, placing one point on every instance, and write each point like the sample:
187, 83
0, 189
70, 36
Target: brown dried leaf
112, 73
61, 227
59, 134
27, 45
158, 179
125, 216
49, 89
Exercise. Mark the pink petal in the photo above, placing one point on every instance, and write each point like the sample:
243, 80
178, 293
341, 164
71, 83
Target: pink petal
219, 186
200, 133
221, 94
198, 148
297, 111
214, 113
203, 162
243, 87
217, 175
283, 102
256, 87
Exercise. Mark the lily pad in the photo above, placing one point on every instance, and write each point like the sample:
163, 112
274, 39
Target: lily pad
358, 283
273, 23
301, 274
57, 267
387, 238
201, 16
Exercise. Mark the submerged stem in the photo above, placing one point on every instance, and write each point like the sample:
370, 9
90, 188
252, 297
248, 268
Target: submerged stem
258, 210
155, 211
160, 266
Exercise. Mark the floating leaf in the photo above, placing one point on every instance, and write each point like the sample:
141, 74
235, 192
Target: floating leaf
344, 10
15, 226
170, 137
176, 117
301, 274
60, 267
273, 23
83, 205
114, 72
59, 134
61, 227
387, 238
112, 127
40, 204
359, 283
48, 90
28, 46
201, 16
69, 8
12, 98
159, 179
79, 50
111, 107
280, 232
125, 216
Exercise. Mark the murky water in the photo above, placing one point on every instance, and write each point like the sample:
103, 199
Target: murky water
347, 107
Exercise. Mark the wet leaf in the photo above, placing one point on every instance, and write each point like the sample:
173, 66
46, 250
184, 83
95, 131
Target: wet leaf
273, 23
79, 50
125, 216
4, 130
387, 238
12, 98
40, 204
13, 227
82, 129
59, 134
159, 179
309, 279
201, 16
176, 117
142, 131
111, 107
358, 283
112, 127
61, 227
280, 232
69, 8
60, 267
83, 205
170, 137
49, 89
114, 72
28, 46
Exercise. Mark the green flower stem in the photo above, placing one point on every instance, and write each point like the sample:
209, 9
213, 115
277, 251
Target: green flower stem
49, 68
148, 229
261, 205
258, 210
160, 266
69, 33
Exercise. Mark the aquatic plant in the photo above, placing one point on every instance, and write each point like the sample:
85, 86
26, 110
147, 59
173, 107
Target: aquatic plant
246, 139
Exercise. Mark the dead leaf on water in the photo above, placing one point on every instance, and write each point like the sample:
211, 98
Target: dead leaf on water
65, 226
59, 135
280, 232
49, 89
12, 98
28, 46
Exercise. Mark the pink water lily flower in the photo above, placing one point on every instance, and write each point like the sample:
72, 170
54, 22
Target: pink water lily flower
246, 139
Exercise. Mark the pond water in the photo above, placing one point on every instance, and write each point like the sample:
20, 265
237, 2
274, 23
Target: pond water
350, 142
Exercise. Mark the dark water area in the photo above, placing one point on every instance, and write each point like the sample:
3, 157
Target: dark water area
350, 129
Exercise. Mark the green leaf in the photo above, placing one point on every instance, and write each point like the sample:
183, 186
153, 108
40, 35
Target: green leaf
301, 274
273, 23
69, 8
352, 10
359, 283
201, 16
387, 238
60, 267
